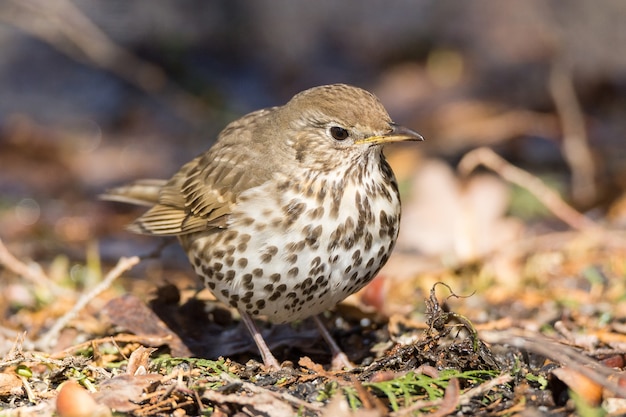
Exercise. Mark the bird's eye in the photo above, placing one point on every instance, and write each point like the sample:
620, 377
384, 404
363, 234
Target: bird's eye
339, 133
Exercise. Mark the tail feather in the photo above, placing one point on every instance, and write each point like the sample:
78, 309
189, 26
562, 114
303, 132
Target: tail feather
142, 192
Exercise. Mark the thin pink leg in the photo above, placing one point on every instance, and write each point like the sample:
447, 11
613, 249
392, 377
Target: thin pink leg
340, 359
268, 359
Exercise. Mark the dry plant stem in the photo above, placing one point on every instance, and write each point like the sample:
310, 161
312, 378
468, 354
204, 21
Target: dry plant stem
511, 173
34, 275
123, 265
484, 388
125, 338
29, 391
575, 142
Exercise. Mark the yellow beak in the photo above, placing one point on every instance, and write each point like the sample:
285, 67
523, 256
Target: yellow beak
397, 134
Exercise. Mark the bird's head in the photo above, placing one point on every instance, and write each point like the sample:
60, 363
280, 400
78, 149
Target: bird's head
332, 125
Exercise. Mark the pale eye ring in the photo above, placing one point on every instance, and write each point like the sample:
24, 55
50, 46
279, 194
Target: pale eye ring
339, 133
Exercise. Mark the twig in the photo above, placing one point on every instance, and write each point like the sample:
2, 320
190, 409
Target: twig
123, 265
123, 338
34, 275
27, 388
575, 142
511, 173
483, 388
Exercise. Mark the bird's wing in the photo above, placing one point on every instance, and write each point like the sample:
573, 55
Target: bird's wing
201, 196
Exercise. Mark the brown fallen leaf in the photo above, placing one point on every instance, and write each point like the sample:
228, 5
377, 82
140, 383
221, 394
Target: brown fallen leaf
139, 361
262, 403
10, 384
459, 221
121, 392
130, 313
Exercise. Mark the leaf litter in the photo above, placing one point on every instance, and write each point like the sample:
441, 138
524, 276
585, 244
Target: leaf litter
557, 345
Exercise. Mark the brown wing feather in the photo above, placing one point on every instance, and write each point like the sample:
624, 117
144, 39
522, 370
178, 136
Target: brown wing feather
202, 194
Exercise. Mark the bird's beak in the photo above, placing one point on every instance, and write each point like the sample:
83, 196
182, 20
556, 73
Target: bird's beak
397, 134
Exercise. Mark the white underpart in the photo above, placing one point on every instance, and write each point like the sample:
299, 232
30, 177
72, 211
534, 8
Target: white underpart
261, 203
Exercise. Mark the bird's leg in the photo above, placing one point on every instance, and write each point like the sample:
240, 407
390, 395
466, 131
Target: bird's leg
268, 359
340, 359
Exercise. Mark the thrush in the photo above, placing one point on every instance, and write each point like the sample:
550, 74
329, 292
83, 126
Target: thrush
292, 209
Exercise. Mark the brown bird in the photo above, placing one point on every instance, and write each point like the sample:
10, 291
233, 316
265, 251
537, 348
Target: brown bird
293, 209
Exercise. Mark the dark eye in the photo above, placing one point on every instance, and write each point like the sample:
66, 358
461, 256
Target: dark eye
339, 133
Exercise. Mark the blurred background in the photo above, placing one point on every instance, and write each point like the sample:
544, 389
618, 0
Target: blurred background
94, 93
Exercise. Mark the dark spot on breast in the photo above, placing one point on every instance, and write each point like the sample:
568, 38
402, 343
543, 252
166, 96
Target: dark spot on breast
292, 211
230, 235
230, 275
270, 252
312, 235
283, 186
316, 213
275, 277
275, 296
369, 239
295, 246
208, 271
